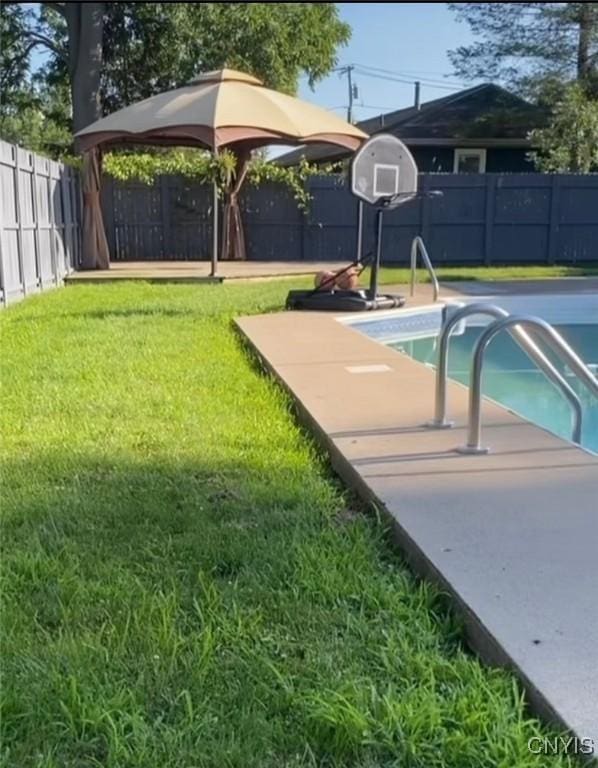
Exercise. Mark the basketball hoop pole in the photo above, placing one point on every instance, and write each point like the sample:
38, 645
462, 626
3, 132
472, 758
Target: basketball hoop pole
359, 249
373, 291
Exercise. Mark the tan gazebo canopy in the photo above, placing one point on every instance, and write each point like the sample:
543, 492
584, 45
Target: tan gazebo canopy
217, 109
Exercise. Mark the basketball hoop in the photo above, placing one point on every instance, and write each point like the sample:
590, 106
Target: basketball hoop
384, 175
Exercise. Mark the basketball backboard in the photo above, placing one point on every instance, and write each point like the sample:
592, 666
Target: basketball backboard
384, 169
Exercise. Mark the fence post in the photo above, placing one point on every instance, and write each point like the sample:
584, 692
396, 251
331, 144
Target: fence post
553, 224
67, 211
489, 218
74, 219
425, 209
302, 233
165, 208
80, 218
107, 203
36, 238
303, 219
19, 221
3, 294
52, 224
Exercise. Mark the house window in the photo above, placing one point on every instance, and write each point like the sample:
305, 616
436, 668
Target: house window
470, 161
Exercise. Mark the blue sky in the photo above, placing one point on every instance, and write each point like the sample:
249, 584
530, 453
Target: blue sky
407, 38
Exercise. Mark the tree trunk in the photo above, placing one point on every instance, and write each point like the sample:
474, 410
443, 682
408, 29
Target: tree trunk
584, 63
85, 23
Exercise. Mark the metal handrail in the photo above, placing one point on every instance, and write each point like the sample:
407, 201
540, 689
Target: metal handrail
526, 343
418, 245
550, 336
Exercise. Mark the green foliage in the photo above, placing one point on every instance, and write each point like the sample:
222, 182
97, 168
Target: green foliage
14, 50
34, 120
153, 47
294, 178
26, 110
31, 128
530, 46
205, 167
146, 166
183, 582
274, 41
570, 142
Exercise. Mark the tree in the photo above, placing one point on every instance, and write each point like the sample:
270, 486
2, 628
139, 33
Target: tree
14, 52
37, 122
570, 142
535, 47
113, 54
33, 112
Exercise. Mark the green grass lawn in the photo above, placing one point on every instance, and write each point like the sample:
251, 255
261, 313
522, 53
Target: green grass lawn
389, 275
186, 585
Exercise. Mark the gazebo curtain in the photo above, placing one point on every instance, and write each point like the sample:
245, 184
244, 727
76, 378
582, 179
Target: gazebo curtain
94, 246
233, 236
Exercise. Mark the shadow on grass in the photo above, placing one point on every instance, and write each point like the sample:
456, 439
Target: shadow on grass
165, 576
119, 508
161, 607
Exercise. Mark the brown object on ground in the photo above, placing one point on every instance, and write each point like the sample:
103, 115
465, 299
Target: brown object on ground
324, 280
348, 280
343, 279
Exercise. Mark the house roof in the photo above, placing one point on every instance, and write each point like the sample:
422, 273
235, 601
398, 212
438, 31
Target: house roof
485, 114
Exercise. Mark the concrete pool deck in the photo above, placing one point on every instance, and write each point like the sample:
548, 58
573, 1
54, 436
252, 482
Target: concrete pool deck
512, 535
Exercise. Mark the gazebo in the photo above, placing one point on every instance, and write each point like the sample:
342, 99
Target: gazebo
216, 110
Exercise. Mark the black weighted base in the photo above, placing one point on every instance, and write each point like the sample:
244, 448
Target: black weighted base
341, 301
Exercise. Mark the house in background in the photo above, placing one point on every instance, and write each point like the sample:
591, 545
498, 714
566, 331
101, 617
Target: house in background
482, 129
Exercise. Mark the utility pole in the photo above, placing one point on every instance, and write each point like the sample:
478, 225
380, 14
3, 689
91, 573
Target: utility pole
350, 84
348, 70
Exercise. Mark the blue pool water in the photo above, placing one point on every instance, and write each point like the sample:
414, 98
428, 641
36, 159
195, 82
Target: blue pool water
511, 378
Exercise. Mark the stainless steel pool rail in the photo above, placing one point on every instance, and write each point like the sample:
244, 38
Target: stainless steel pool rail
418, 246
525, 342
551, 337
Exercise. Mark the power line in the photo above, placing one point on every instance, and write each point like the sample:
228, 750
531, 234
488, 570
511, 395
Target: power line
412, 72
407, 82
430, 83
374, 106
384, 77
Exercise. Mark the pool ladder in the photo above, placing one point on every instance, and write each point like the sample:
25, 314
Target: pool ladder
418, 247
515, 325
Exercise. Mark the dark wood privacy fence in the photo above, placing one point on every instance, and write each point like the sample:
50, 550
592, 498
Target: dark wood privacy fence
39, 222
482, 219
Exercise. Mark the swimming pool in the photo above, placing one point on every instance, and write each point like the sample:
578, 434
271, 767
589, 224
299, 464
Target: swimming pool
509, 377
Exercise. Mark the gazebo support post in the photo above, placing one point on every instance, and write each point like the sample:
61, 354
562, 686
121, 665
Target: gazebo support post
214, 268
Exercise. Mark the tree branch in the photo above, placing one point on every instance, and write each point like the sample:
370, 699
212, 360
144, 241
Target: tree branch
6, 75
28, 48
38, 39
58, 7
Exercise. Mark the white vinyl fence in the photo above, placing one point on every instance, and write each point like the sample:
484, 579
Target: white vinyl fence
39, 222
